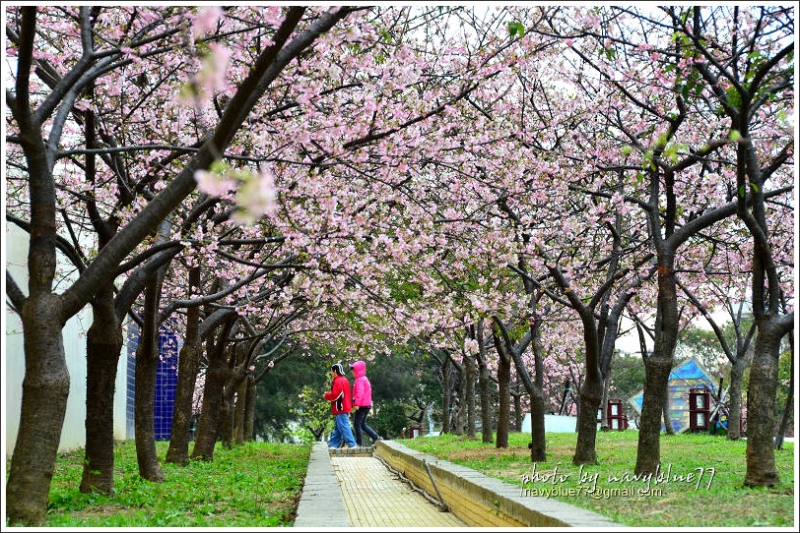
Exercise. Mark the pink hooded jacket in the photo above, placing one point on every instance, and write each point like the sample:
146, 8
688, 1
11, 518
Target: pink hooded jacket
362, 388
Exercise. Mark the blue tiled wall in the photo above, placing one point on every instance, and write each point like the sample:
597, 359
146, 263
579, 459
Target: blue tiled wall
166, 382
130, 395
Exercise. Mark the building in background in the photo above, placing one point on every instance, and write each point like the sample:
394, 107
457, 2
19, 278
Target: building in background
689, 375
73, 432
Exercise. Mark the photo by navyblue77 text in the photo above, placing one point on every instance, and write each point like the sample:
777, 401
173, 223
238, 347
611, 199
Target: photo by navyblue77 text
554, 483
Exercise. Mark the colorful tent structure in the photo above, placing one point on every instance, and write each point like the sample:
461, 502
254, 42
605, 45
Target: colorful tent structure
689, 375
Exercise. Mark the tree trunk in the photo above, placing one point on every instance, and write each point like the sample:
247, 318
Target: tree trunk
188, 367
735, 397
45, 390
761, 471
668, 428
576, 399
538, 445
504, 403
534, 387
447, 391
538, 436
144, 414
226, 415
604, 406
487, 418
518, 415
240, 412
485, 389
209, 424
658, 367
460, 422
229, 409
250, 409
469, 397
147, 357
103, 349
591, 393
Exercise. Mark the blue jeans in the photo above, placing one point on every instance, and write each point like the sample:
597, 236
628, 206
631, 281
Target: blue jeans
361, 424
341, 432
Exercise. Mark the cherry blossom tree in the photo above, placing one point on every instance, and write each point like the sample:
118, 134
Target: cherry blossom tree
673, 147
41, 123
745, 58
204, 90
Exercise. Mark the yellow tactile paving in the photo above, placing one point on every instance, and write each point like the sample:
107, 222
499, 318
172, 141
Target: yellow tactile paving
374, 496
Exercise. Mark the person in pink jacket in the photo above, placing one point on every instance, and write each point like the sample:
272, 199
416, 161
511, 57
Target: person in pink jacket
362, 399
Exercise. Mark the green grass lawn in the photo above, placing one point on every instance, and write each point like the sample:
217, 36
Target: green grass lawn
701, 481
256, 484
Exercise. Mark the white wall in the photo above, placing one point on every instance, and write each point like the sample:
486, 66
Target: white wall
73, 433
553, 423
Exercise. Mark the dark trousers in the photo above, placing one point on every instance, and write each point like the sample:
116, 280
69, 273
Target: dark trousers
361, 424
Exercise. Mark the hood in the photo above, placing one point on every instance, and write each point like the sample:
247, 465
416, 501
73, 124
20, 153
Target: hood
359, 368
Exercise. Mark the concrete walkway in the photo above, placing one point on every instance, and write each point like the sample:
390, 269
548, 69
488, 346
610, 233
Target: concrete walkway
358, 490
354, 488
374, 496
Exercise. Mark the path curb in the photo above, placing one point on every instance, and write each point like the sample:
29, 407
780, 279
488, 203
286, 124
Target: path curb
321, 503
483, 501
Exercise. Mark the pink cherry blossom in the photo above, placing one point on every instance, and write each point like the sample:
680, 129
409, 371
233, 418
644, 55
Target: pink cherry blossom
206, 21
213, 184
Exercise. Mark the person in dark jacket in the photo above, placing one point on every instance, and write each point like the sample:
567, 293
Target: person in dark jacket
339, 396
362, 397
